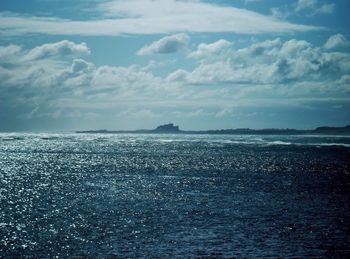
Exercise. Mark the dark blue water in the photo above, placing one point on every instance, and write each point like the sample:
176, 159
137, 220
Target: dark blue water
71, 195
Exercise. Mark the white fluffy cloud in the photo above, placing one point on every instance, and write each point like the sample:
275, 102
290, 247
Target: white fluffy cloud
50, 78
10, 53
337, 41
38, 67
152, 17
268, 62
166, 45
59, 49
212, 49
54, 84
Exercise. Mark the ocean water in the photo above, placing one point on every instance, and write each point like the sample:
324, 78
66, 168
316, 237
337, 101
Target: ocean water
120, 195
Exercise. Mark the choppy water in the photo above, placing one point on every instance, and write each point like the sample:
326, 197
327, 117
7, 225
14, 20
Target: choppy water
97, 195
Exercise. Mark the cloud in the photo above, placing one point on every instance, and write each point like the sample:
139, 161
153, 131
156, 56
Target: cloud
279, 13
57, 85
309, 7
267, 62
325, 9
59, 49
14, 54
314, 6
81, 66
343, 84
9, 53
270, 72
306, 4
41, 67
336, 41
79, 74
166, 45
207, 50
345, 79
153, 17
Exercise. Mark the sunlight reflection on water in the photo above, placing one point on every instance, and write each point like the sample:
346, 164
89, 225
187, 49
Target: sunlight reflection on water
173, 195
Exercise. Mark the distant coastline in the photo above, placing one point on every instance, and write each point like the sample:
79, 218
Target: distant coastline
172, 129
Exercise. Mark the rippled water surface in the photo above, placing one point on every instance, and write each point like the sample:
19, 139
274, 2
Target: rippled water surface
106, 195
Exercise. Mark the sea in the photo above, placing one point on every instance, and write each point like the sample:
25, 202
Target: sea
68, 195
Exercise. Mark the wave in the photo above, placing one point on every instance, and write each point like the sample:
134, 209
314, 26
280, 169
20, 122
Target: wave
10, 138
329, 144
213, 140
279, 142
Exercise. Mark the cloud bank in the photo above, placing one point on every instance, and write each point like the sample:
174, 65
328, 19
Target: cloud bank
55, 80
152, 17
266, 62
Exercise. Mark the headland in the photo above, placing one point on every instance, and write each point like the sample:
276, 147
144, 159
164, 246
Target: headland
173, 129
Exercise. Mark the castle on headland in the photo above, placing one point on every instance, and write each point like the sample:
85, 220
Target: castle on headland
167, 128
172, 129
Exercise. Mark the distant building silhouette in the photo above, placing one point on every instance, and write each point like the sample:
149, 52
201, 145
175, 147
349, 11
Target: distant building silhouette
167, 128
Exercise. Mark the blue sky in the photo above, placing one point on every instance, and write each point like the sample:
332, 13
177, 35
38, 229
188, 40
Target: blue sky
71, 65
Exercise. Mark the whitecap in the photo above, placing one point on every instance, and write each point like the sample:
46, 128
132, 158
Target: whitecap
279, 142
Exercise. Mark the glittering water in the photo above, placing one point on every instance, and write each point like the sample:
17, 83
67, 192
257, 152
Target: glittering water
97, 195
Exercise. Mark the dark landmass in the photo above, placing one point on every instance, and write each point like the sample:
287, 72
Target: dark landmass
172, 129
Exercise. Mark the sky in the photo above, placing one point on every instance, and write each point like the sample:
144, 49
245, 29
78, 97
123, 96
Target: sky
201, 64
